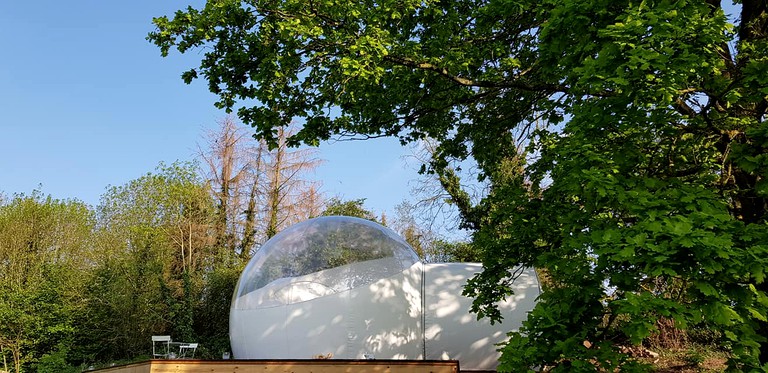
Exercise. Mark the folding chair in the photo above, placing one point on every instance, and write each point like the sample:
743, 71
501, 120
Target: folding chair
161, 346
185, 348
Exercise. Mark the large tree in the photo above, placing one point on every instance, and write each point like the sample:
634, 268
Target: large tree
259, 191
155, 246
623, 143
234, 169
44, 259
289, 196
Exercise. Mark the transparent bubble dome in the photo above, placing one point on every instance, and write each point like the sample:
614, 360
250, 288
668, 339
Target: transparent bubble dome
320, 257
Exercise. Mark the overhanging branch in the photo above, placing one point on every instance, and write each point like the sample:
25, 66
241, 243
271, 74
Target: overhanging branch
509, 83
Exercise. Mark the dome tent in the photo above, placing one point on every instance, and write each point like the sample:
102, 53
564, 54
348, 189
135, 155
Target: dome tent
352, 288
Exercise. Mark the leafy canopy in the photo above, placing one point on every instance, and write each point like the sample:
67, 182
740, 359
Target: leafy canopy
623, 142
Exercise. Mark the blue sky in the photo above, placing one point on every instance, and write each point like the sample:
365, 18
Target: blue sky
87, 102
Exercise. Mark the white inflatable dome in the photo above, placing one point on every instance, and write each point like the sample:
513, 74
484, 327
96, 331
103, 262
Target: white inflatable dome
350, 288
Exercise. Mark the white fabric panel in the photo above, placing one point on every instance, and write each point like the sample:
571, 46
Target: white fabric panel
382, 318
452, 332
318, 284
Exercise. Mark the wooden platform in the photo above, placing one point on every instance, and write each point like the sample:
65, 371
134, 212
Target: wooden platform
287, 366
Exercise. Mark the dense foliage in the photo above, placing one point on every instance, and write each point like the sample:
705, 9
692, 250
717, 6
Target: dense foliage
353, 207
79, 286
623, 142
85, 286
43, 252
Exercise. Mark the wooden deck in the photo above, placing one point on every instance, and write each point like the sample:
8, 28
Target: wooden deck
287, 366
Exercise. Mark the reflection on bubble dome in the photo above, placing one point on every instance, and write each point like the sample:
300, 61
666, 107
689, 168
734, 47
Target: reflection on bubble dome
319, 257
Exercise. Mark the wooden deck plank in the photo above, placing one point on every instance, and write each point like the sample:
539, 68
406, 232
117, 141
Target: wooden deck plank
287, 366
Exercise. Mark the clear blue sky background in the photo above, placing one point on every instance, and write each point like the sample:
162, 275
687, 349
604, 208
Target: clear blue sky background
87, 102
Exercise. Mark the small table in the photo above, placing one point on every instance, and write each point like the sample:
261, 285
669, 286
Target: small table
183, 348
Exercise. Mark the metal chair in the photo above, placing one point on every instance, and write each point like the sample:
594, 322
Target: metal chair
185, 348
161, 346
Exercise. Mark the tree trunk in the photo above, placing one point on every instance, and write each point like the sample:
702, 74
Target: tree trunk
274, 193
249, 231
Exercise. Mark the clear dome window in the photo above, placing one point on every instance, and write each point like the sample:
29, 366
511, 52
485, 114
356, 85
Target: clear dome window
319, 257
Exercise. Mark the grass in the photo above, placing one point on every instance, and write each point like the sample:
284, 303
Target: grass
693, 358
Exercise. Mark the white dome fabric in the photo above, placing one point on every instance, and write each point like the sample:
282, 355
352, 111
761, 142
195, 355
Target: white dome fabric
452, 332
339, 285
354, 289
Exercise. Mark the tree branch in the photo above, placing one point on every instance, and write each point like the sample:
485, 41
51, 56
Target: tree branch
513, 83
452, 185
